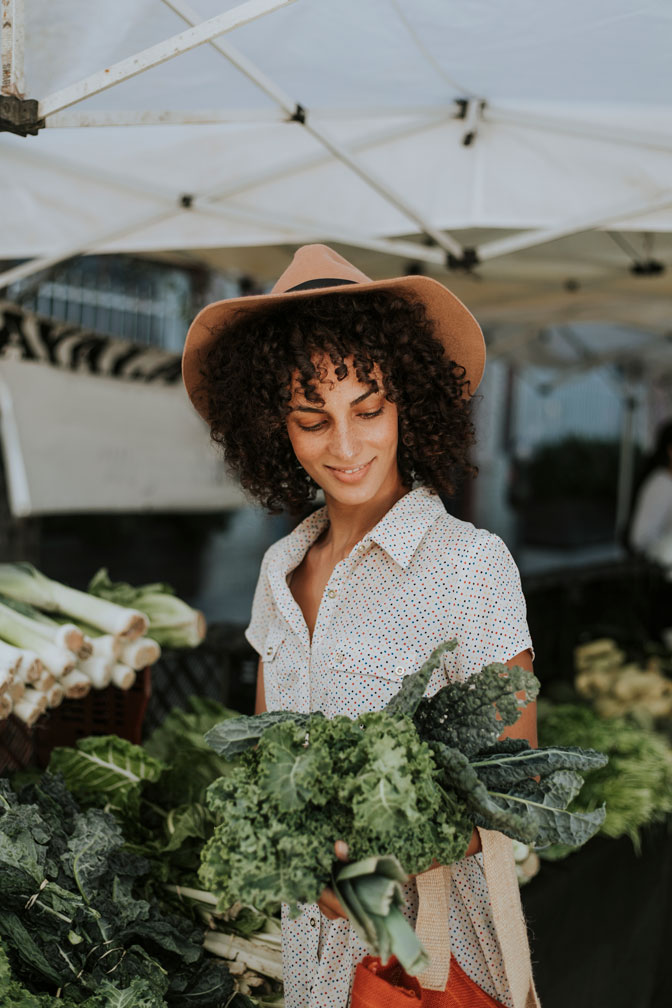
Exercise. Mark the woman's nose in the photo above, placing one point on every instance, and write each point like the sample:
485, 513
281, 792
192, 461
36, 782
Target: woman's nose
345, 442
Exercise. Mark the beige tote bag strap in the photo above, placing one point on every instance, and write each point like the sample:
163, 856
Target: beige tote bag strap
433, 925
507, 913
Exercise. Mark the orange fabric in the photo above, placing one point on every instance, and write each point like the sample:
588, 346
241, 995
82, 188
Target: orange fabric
388, 986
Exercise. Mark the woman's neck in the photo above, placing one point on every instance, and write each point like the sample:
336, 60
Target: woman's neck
349, 524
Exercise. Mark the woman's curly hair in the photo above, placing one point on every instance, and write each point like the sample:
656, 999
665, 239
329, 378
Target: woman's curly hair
247, 377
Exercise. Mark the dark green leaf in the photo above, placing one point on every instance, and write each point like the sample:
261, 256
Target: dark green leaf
241, 733
412, 690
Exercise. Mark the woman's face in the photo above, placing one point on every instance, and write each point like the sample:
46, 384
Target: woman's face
349, 444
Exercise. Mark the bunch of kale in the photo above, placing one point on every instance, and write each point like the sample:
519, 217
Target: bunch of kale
71, 923
408, 782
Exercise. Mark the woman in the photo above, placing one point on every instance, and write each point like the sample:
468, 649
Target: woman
362, 389
651, 521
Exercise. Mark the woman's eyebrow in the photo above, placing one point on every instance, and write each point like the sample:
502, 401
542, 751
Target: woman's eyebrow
316, 409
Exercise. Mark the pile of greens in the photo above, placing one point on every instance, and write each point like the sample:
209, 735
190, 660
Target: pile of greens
636, 784
74, 930
156, 793
408, 782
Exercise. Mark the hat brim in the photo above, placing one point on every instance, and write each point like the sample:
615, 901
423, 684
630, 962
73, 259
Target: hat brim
455, 326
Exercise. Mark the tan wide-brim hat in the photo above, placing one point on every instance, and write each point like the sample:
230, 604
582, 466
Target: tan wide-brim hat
318, 270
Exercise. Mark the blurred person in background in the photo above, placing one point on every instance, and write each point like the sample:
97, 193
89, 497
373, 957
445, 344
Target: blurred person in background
650, 531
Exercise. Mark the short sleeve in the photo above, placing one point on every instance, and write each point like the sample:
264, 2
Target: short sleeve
653, 512
494, 615
263, 608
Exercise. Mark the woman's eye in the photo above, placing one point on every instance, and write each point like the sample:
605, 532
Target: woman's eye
320, 425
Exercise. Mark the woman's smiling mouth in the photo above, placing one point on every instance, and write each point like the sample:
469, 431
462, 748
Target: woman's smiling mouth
351, 474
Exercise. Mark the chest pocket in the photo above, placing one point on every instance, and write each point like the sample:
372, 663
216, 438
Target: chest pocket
273, 643
280, 679
364, 677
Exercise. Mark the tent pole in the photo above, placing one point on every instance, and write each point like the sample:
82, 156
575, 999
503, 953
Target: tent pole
32, 266
203, 31
251, 180
626, 461
12, 47
297, 112
296, 228
530, 239
576, 127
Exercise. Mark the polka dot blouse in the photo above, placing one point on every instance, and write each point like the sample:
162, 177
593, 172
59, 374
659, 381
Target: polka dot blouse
419, 577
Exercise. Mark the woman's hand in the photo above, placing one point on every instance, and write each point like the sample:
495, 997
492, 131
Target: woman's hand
329, 905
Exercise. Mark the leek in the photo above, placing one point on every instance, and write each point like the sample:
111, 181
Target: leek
76, 685
55, 695
65, 635
25, 583
6, 679
140, 653
30, 707
172, 623
6, 706
123, 676
249, 953
11, 658
16, 690
98, 671
18, 630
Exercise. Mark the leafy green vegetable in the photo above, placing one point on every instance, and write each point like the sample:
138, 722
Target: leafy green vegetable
241, 733
409, 781
106, 766
636, 783
464, 715
172, 623
412, 689
190, 764
368, 780
371, 892
70, 918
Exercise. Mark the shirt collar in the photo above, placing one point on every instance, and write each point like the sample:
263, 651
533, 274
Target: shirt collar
399, 532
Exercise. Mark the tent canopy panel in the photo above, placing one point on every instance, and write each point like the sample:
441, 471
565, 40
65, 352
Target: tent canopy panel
484, 49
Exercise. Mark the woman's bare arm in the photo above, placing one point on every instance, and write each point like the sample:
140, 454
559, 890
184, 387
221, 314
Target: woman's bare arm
524, 728
260, 701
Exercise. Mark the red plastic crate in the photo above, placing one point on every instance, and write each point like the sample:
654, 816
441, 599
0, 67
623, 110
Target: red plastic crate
110, 711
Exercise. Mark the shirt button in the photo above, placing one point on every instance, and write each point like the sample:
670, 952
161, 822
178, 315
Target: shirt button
269, 650
339, 656
313, 922
332, 593
399, 669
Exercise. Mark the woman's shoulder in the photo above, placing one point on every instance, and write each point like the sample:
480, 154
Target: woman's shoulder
658, 481
463, 537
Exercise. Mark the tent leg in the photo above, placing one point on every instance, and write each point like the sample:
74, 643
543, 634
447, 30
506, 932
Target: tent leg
626, 464
11, 46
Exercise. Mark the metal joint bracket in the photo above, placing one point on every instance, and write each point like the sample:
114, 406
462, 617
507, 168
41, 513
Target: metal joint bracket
186, 201
300, 115
470, 110
20, 116
647, 267
466, 261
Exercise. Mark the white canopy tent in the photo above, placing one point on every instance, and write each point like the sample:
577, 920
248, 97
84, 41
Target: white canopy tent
520, 152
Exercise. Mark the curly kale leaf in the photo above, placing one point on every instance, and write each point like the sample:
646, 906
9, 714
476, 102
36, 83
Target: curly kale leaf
372, 781
237, 734
414, 685
464, 715
292, 771
259, 854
